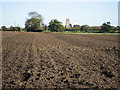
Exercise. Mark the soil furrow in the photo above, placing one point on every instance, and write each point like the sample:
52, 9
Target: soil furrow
52, 60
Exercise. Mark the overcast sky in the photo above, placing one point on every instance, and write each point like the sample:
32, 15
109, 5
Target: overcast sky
91, 13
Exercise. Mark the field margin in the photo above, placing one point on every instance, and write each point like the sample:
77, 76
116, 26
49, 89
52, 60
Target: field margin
89, 33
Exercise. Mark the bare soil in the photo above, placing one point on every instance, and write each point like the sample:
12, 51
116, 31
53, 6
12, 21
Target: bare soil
49, 60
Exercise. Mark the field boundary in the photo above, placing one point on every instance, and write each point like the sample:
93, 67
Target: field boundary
89, 33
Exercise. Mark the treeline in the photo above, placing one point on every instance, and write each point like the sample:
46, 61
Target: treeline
34, 23
104, 28
56, 26
4, 28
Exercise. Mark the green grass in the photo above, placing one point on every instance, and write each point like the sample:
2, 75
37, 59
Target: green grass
46, 31
23, 31
89, 33
68, 32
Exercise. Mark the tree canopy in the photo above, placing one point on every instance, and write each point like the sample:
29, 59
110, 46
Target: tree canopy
3, 28
34, 22
106, 27
55, 25
85, 28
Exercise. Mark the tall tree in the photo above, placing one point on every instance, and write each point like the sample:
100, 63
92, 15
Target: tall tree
34, 21
55, 25
85, 28
3, 28
106, 27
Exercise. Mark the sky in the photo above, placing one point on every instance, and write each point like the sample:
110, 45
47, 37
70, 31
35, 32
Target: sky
81, 13
119, 13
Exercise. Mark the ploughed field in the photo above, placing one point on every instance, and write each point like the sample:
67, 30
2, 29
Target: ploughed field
49, 60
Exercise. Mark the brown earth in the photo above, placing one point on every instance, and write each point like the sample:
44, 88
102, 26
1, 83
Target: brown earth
52, 60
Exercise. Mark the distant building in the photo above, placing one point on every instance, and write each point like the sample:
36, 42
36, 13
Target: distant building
67, 23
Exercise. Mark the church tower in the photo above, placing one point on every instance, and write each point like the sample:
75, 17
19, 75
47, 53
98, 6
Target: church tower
67, 23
